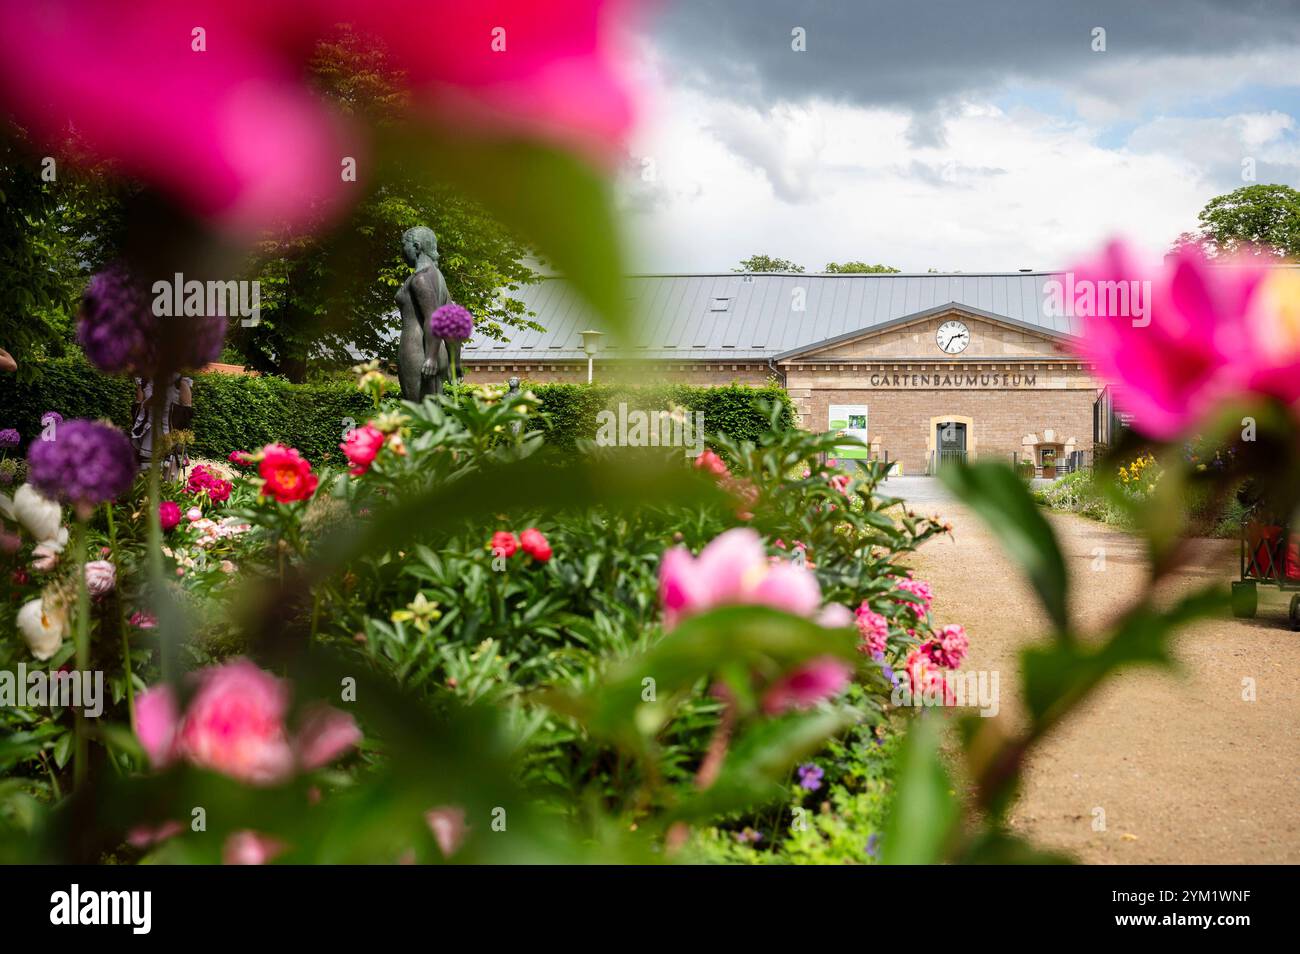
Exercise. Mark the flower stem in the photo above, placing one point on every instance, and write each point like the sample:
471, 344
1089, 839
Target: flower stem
82, 637
121, 614
159, 400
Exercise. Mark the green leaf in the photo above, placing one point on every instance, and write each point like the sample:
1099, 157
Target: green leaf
924, 813
756, 768
640, 696
1002, 501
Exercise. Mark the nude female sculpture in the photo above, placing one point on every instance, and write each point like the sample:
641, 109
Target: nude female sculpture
422, 359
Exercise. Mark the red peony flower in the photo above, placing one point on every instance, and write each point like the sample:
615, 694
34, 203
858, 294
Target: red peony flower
240, 458
712, 463
361, 447
286, 473
503, 543
534, 544
169, 514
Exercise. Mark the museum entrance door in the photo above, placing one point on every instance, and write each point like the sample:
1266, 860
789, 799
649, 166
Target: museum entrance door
950, 442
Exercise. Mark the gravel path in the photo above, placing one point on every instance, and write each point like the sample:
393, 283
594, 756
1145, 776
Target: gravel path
1185, 770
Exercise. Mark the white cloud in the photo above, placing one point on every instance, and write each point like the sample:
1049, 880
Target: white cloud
833, 182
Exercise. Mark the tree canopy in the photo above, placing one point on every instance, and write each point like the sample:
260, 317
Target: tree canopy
766, 263
1256, 220
856, 268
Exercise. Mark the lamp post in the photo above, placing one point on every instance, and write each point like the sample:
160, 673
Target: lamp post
590, 340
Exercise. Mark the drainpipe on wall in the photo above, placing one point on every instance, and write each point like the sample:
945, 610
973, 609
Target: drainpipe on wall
771, 365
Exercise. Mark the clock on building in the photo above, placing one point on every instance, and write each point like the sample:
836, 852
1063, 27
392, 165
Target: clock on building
952, 337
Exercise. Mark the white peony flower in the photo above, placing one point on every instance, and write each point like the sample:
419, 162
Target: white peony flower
101, 577
42, 518
43, 631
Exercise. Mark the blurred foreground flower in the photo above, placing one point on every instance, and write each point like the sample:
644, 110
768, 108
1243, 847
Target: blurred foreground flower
732, 569
207, 99
235, 724
1206, 333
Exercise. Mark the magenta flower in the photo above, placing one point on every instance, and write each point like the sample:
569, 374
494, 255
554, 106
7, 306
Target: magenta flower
874, 629
235, 724
807, 684
732, 569
87, 463
919, 589
1209, 333
250, 848
451, 321
227, 124
948, 648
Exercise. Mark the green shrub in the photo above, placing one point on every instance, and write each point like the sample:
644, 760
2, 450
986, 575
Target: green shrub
730, 410
237, 412
68, 385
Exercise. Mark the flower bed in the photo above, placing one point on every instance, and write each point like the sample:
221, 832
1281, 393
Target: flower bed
698, 665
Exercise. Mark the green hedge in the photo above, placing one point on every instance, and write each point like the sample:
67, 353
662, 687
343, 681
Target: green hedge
236, 412
231, 412
729, 409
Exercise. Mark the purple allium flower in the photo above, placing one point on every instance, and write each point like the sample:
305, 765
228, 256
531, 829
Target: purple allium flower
873, 845
51, 417
9, 437
452, 321
810, 776
116, 328
88, 463
119, 330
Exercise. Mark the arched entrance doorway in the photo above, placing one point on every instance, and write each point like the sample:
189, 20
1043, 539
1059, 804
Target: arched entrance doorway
951, 438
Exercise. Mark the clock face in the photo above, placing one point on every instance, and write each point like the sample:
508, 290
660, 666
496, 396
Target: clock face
952, 337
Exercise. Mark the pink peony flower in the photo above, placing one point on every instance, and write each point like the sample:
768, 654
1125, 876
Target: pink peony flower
324, 733
807, 685
841, 483
732, 569
361, 446
169, 515
1204, 334
194, 514
948, 648
146, 836
233, 129
835, 616
142, 620
874, 629
250, 848
101, 577
924, 596
235, 724
928, 681
448, 826
711, 462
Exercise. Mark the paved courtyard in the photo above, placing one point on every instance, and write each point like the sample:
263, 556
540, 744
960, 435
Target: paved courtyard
1184, 769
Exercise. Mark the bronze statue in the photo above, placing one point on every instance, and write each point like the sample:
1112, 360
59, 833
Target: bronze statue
423, 365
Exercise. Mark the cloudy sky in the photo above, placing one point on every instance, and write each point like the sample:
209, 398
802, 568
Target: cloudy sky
951, 134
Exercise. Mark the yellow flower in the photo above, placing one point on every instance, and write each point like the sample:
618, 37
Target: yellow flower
420, 613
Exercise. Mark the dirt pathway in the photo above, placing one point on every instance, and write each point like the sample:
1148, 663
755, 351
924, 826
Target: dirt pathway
1185, 770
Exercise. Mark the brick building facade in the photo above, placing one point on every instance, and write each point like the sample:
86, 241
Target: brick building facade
919, 366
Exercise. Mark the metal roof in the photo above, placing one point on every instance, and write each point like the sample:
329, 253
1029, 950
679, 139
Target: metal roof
747, 316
